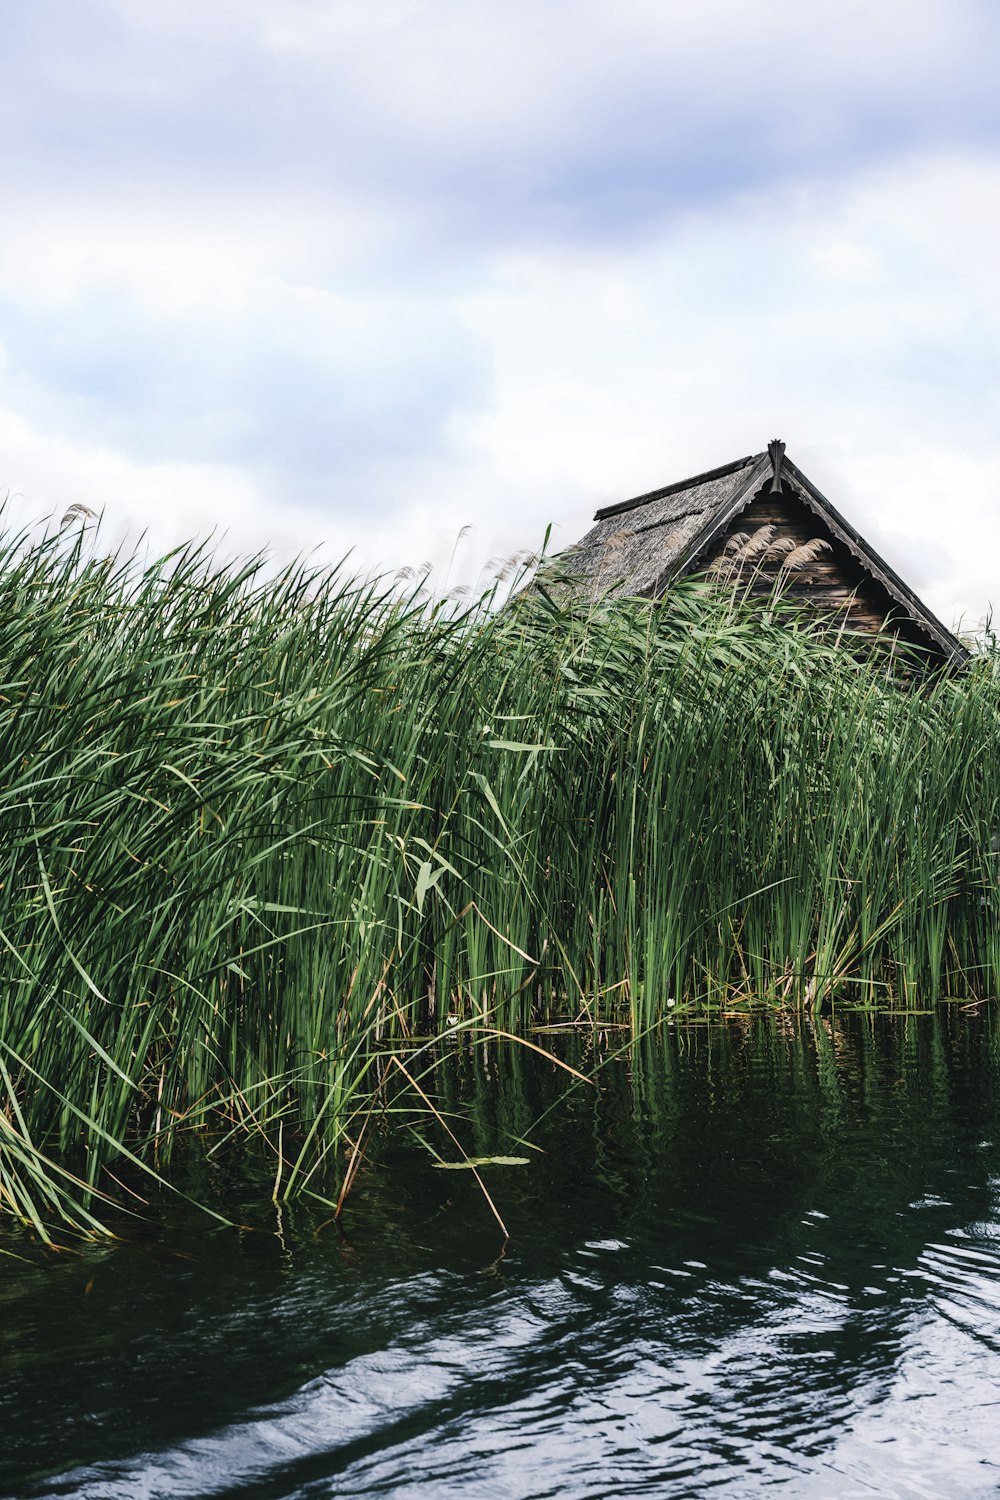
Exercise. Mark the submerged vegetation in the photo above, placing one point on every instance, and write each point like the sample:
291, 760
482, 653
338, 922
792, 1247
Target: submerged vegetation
261, 831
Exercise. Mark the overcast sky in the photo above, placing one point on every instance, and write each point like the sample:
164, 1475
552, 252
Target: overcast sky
356, 275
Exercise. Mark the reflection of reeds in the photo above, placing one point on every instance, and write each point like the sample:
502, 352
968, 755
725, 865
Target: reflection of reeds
258, 828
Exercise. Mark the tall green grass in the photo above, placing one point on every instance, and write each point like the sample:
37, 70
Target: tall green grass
258, 828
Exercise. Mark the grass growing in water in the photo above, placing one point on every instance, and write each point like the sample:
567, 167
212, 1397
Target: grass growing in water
258, 830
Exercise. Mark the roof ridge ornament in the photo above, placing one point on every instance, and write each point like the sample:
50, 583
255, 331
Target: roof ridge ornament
776, 453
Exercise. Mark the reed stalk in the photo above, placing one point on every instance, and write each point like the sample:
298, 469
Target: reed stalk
258, 829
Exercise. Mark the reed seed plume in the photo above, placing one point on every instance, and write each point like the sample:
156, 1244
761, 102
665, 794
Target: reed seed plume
758, 544
75, 513
801, 557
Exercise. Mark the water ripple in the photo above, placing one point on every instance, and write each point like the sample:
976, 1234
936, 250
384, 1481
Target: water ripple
791, 1281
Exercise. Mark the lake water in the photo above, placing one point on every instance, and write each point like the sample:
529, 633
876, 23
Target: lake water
759, 1257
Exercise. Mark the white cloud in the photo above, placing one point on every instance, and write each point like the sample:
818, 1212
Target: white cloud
158, 505
859, 323
616, 373
511, 67
365, 273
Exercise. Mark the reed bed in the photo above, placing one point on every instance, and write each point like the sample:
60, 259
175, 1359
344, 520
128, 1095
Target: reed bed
263, 832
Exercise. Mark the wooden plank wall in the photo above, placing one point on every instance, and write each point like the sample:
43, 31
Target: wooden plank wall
835, 582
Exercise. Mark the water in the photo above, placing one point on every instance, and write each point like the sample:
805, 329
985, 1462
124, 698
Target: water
759, 1258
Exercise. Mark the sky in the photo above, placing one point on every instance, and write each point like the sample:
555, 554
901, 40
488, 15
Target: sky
414, 280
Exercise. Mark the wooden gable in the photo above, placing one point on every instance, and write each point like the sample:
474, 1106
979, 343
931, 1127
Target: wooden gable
778, 543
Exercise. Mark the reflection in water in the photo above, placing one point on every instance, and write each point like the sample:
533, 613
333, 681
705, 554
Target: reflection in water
759, 1254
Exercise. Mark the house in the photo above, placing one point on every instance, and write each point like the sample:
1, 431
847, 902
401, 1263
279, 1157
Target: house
759, 524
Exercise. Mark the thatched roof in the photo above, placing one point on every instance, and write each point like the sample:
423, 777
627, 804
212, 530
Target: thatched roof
639, 546
636, 543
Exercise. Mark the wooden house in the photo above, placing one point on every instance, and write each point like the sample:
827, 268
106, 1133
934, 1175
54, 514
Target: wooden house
758, 524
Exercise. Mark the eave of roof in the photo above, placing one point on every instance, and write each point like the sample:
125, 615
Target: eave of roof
878, 567
719, 519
